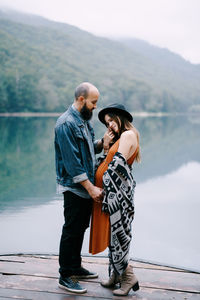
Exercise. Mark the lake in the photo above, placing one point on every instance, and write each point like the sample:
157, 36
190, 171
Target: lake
167, 195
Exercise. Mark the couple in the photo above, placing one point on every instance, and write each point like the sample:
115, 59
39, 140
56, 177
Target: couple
107, 193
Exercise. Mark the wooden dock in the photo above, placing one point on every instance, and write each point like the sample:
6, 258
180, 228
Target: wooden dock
36, 277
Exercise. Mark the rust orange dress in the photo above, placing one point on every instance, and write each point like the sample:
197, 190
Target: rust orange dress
100, 223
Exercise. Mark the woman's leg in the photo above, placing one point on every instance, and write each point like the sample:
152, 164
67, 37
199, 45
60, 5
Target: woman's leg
113, 277
128, 281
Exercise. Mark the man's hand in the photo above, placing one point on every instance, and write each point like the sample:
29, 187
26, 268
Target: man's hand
95, 192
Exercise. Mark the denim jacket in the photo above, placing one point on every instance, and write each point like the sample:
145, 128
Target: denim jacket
73, 158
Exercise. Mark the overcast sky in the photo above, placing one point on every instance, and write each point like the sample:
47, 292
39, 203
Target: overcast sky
173, 24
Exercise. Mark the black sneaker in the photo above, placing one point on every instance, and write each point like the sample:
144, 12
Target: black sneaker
71, 284
82, 273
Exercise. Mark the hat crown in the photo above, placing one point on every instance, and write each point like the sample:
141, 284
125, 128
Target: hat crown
116, 105
115, 108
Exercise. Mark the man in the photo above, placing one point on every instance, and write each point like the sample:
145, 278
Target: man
75, 165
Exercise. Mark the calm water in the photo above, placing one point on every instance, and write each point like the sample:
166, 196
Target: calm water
167, 197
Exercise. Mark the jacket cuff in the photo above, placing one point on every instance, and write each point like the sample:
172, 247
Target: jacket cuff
80, 178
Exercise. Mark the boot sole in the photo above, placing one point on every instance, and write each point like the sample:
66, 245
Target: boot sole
135, 288
86, 276
110, 285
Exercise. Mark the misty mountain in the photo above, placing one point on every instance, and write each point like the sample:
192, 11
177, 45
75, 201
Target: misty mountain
42, 62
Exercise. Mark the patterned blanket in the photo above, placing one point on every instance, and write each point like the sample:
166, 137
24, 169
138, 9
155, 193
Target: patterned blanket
119, 185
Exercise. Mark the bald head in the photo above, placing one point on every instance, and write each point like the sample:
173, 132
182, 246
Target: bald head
86, 97
84, 89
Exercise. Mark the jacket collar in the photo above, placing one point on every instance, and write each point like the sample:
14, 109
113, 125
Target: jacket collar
79, 120
76, 114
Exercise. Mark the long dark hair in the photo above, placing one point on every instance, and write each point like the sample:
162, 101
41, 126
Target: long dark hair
124, 125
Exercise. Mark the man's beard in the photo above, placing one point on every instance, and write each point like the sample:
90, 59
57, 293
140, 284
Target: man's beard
86, 113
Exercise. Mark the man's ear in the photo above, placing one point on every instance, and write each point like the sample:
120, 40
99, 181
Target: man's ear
81, 99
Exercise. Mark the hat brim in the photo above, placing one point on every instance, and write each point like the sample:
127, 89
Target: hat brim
114, 110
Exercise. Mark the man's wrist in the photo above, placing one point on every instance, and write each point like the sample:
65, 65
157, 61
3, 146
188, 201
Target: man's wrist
87, 184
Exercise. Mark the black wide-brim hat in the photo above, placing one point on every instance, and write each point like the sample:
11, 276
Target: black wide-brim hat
114, 108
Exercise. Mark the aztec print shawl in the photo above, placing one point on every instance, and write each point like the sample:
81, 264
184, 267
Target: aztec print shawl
119, 185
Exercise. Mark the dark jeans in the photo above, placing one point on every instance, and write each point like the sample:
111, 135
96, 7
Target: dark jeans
77, 213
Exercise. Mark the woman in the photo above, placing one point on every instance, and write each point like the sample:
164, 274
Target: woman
111, 219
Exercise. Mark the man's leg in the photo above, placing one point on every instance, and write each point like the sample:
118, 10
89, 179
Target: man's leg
77, 213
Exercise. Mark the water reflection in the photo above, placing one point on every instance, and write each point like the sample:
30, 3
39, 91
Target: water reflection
167, 144
27, 154
167, 193
27, 161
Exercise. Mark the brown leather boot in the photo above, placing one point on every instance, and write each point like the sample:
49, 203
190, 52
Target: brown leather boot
113, 279
128, 281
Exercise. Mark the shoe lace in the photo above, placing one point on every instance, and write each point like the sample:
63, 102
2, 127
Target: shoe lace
74, 280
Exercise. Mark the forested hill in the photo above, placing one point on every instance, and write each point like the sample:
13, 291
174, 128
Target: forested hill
42, 61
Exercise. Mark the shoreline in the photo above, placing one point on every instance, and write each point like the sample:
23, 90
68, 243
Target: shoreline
29, 114
136, 114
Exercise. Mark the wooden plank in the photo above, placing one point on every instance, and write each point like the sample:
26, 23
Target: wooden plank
101, 261
88, 259
36, 274
155, 278
135, 264
38, 295
41, 284
143, 293
169, 280
143, 265
30, 266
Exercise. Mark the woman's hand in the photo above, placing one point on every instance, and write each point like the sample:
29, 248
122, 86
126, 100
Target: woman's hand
108, 137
